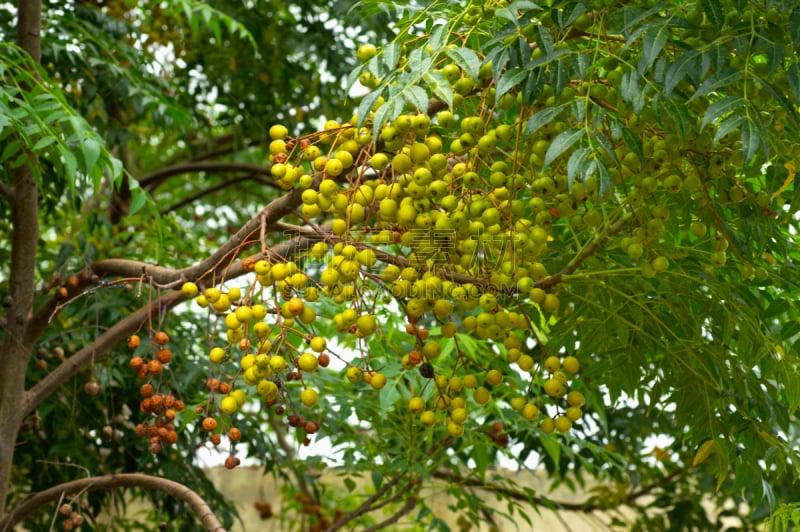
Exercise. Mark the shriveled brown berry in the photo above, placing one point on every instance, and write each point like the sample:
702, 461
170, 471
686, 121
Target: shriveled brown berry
65, 509
155, 367
324, 359
172, 437
311, 427
41, 365
134, 341
234, 434
161, 338
91, 388
216, 439
231, 462
224, 388
164, 355
137, 362
209, 424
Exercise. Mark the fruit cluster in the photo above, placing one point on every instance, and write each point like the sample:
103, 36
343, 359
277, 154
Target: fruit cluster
160, 409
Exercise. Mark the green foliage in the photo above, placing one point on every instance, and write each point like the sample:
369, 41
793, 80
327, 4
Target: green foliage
615, 181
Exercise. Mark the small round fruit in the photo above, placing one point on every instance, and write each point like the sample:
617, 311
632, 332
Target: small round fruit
563, 423
552, 364
416, 405
209, 424
189, 289
571, 364
296, 306
428, 418
228, 405
575, 399
574, 413
133, 341
378, 381
530, 411
161, 338
307, 362
309, 397
354, 374
548, 426
318, 344
494, 377
481, 395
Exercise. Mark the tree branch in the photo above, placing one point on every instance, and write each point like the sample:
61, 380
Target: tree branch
407, 507
109, 482
366, 505
224, 255
152, 181
115, 334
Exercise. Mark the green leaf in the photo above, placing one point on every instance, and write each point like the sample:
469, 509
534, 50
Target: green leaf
440, 87
90, 148
542, 117
564, 141
751, 139
634, 143
716, 81
577, 163
793, 77
364, 108
438, 37
720, 108
715, 12
678, 70
391, 55
552, 447
509, 80
44, 142
417, 97
138, 199
466, 59
350, 484
654, 41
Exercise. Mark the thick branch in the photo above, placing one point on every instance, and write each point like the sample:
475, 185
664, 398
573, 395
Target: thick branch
208, 268
150, 182
118, 332
109, 482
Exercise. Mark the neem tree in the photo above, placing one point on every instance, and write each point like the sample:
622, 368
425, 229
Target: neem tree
550, 232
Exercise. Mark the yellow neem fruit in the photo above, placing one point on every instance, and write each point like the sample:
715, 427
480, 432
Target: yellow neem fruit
525, 362
574, 413
518, 403
268, 390
307, 362
308, 316
378, 381
470, 381
354, 374
552, 364
247, 362
575, 399
459, 415
530, 411
228, 405
571, 364
548, 426
239, 395
416, 405
244, 314
217, 355
454, 429
189, 289
250, 377
277, 363
494, 377
261, 329
481, 395
309, 397
428, 418
318, 344
366, 324
563, 423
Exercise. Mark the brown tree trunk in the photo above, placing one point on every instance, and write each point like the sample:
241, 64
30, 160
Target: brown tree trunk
16, 348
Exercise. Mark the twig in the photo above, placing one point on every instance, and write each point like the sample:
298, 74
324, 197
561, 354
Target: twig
365, 506
407, 507
110, 482
7, 192
151, 181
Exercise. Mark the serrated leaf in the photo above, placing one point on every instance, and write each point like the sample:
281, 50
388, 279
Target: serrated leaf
564, 141
576, 163
438, 37
352, 77
417, 97
509, 80
678, 70
751, 139
138, 199
654, 41
720, 108
793, 77
439, 86
606, 145
466, 59
90, 148
44, 142
714, 11
727, 126
634, 143
565, 18
606, 183
365, 106
541, 118
717, 80
559, 77
703, 452
391, 55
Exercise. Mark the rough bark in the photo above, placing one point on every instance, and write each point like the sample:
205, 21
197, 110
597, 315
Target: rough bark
108, 482
15, 350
